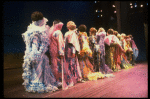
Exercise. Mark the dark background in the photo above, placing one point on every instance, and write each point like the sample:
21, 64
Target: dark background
17, 16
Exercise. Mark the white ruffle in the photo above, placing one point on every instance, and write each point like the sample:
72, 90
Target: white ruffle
40, 22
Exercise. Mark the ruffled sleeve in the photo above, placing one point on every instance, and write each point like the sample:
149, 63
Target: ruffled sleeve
59, 36
35, 53
39, 43
73, 39
111, 39
86, 49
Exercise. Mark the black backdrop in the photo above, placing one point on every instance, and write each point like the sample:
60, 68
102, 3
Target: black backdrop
16, 18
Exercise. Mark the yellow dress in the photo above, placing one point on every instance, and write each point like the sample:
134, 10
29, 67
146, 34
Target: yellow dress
126, 64
85, 65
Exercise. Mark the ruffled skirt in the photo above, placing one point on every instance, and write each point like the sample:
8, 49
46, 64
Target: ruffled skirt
38, 76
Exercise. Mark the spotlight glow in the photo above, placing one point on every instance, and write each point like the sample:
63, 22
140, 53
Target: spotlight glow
113, 5
135, 5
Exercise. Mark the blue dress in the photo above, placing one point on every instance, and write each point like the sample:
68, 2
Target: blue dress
37, 74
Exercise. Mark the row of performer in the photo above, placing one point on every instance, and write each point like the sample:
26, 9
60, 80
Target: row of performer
73, 57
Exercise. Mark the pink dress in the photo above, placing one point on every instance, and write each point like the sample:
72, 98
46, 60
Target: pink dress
56, 48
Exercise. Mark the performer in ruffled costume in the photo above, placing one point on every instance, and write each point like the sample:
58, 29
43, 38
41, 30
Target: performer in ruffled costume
129, 52
100, 35
111, 41
72, 73
124, 62
117, 53
85, 65
135, 50
95, 53
37, 74
56, 49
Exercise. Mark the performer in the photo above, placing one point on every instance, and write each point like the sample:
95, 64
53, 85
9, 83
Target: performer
85, 65
92, 38
115, 33
56, 49
135, 50
117, 54
124, 62
92, 43
129, 52
111, 41
37, 74
100, 35
72, 72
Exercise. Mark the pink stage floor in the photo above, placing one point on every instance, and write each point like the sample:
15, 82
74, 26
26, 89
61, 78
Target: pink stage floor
130, 83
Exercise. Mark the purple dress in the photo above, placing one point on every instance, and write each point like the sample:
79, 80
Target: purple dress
100, 41
72, 71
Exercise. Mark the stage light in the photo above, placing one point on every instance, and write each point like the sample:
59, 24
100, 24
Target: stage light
98, 16
135, 5
96, 10
131, 6
115, 11
130, 3
141, 5
95, 1
101, 15
113, 5
101, 10
147, 3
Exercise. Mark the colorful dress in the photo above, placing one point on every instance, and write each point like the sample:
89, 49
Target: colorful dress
124, 62
135, 51
92, 41
37, 74
95, 53
110, 45
56, 49
100, 41
85, 65
129, 52
72, 71
117, 57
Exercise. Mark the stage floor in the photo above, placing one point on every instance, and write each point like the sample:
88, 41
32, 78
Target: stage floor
130, 83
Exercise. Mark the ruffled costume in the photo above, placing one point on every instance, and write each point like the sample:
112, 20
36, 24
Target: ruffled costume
56, 49
85, 65
100, 36
37, 74
124, 62
72, 72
